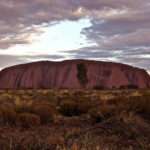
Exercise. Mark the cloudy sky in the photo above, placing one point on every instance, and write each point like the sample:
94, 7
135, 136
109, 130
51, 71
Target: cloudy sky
108, 30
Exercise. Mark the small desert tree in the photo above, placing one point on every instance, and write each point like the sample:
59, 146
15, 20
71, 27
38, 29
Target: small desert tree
82, 74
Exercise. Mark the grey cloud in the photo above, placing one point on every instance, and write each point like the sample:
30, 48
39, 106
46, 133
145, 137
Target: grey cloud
135, 57
120, 28
89, 52
17, 16
9, 60
124, 26
140, 62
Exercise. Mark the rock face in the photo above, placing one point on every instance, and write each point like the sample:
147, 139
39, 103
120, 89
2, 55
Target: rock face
73, 74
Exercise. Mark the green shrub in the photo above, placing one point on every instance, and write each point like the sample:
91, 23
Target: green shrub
107, 111
84, 106
1, 118
23, 109
45, 112
69, 108
95, 115
146, 104
27, 120
6, 98
74, 108
135, 104
130, 86
99, 87
139, 104
7, 116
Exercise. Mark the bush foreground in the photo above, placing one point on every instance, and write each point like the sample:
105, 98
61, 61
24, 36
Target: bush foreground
75, 120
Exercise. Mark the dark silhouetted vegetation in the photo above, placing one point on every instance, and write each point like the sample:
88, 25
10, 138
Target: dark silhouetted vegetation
98, 87
130, 86
70, 108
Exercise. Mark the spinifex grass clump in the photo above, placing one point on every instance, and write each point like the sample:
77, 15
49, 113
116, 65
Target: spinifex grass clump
26, 113
74, 108
45, 112
8, 116
27, 120
69, 108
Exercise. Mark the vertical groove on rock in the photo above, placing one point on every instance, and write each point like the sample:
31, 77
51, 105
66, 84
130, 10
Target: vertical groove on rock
66, 74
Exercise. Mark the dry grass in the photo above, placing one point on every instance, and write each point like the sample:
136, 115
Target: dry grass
75, 120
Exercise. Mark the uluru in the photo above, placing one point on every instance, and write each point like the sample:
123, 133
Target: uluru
73, 74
